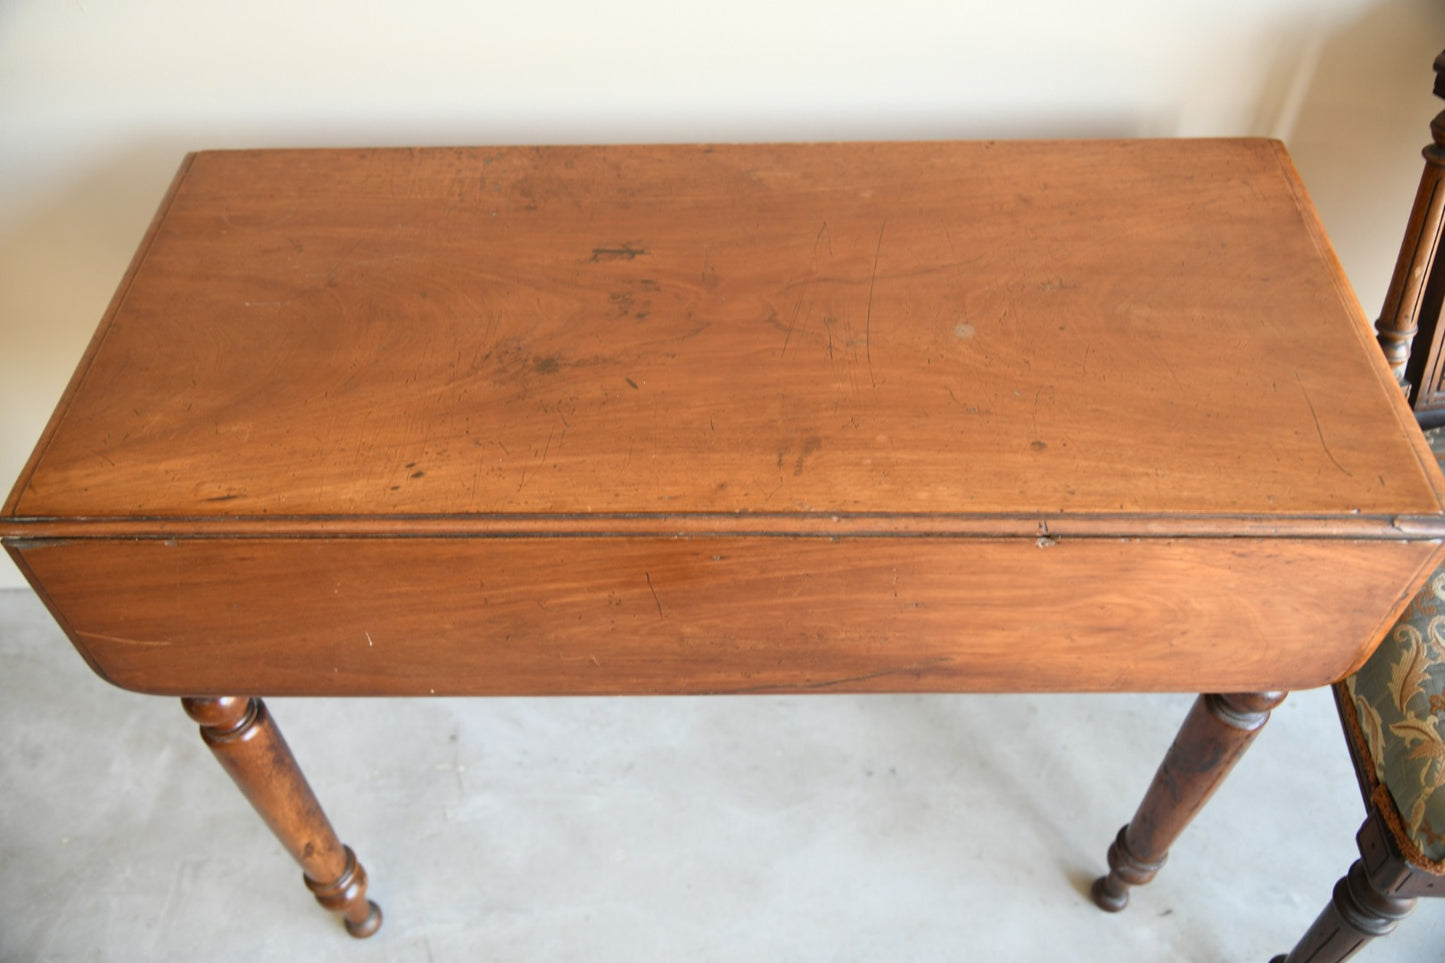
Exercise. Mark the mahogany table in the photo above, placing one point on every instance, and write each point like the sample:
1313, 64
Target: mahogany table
962, 417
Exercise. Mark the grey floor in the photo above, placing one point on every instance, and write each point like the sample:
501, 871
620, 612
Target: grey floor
886, 828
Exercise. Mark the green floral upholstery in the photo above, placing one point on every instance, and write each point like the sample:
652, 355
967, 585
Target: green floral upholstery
1394, 709
1398, 699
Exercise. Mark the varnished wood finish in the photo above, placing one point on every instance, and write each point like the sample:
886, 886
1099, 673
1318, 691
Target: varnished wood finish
680, 614
1215, 734
1018, 329
1405, 301
1417, 288
831, 417
1379, 889
253, 752
862, 416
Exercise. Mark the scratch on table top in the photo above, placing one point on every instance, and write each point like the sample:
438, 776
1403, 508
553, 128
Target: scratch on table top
120, 640
868, 314
911, 669
1318, 430
650, 588
823, 232
793, 322
227, 220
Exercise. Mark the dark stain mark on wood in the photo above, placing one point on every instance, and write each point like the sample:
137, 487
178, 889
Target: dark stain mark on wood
625, 303
810, 445
546, 365
417, 474
622, 301
632, 383
624, 253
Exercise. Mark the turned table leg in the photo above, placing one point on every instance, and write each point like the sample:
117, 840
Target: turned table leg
252, 750
1215, 734
1378, 891
1357, 913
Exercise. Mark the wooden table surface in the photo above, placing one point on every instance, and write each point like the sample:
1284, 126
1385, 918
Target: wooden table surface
933, 416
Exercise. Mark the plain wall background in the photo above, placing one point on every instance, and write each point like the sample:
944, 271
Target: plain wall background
99, 99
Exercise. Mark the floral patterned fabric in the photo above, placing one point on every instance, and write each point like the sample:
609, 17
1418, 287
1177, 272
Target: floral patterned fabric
1394, 709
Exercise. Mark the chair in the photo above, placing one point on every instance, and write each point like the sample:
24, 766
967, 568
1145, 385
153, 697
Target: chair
1392, 709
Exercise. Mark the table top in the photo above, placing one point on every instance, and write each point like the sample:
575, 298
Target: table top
1126, 336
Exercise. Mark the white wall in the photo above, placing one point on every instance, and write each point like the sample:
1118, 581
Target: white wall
100, 98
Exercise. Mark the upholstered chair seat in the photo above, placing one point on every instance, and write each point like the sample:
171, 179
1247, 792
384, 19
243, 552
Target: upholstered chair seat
1394, 709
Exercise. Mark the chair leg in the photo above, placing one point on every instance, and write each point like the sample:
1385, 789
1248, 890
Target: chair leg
252, 750
1357, 914
1214, 736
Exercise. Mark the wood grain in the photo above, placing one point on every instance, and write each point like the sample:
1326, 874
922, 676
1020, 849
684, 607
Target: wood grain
535, 616
1150, 328
250, 747
924, 416
963, 417
1212, 740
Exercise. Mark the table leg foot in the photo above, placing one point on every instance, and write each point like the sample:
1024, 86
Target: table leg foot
253, 752
1111, 892
1215, 734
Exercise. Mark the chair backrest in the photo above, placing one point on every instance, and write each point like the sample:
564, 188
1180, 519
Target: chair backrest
1409, 328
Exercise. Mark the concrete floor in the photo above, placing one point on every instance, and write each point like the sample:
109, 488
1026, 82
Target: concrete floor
831, 828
